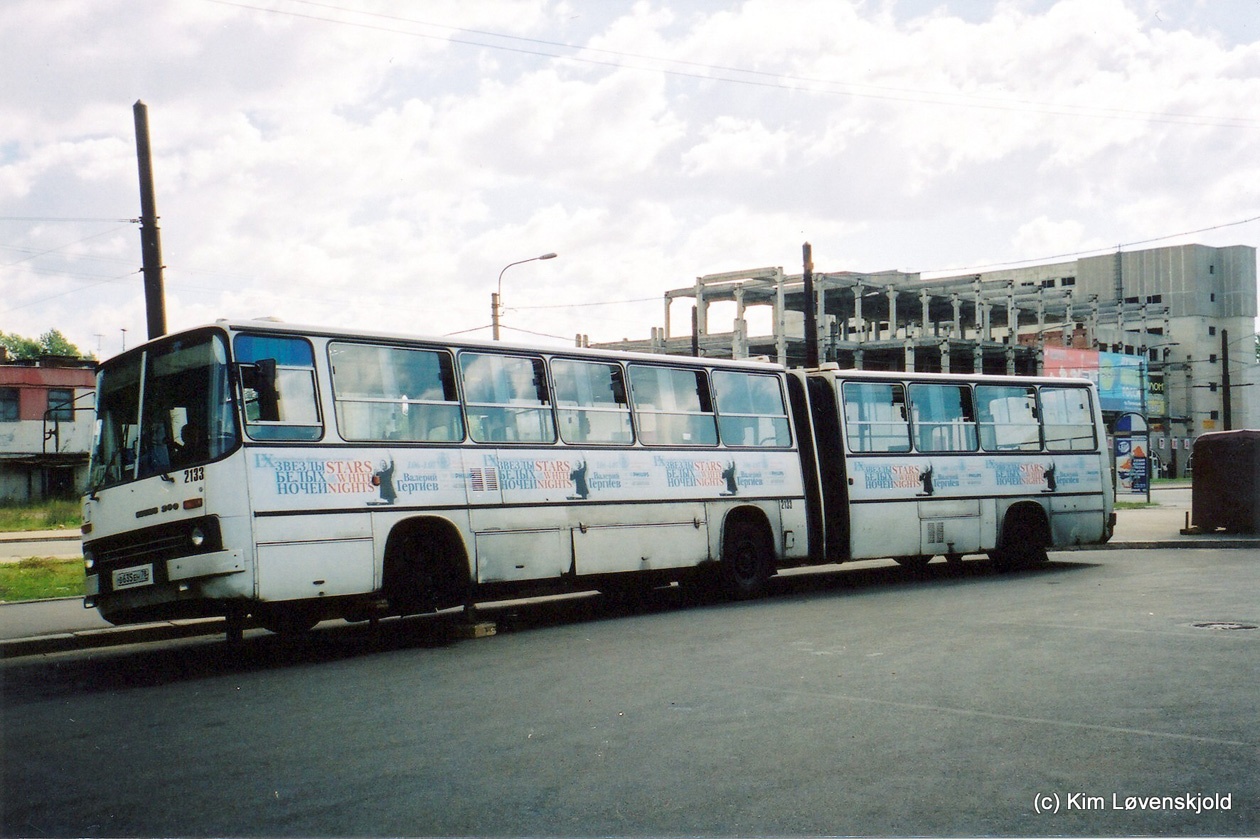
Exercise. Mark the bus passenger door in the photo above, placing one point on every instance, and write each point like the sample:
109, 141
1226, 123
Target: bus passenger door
832, 469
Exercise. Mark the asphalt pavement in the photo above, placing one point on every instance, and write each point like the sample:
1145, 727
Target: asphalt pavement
53, 626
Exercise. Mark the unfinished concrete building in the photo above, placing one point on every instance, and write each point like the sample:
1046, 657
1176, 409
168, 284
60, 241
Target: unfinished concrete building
1183, 311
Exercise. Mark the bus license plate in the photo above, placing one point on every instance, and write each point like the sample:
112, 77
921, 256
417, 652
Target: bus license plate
141, 575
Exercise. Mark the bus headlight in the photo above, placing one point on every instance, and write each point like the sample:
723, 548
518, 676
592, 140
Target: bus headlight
89, 561
197, 536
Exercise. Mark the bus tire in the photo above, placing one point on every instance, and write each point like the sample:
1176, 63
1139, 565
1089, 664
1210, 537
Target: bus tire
747, 560
1025, 537
425, 568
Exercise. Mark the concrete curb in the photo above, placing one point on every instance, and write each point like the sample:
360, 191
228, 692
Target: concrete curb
174, 630
1191, 543
111, 637
41, 536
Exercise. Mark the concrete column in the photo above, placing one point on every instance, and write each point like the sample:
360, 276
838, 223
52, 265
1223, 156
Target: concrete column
780, 318
945, 356
702, 309
923, 314
981, 309
957, 301
739, 337
1012, 315
909, 346
892, 312
858, 323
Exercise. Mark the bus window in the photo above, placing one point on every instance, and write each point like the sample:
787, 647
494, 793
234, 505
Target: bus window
672, 406
591, 402
117, 431
1008, 418
943, 418
751, 411
395, 393
506, 397
185, 406
278, 384
875, 415
1069, 419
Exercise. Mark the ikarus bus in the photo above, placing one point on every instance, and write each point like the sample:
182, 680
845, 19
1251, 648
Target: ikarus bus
294, 474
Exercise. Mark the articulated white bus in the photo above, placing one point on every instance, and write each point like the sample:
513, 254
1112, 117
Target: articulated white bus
296, 474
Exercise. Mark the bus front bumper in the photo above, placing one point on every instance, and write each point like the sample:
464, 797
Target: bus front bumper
214, 564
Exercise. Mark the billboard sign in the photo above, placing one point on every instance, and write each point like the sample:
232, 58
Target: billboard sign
1120, 378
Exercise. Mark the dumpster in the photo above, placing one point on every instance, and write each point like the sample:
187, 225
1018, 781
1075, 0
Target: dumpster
1226, 482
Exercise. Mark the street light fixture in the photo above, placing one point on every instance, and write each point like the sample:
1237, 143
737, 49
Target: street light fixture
496, 296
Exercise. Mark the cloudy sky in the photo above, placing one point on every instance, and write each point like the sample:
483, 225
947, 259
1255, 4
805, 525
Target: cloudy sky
376, 164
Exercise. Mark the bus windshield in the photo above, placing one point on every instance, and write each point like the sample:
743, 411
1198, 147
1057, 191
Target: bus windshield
164, 408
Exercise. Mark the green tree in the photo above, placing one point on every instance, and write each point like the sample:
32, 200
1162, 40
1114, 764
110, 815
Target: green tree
51, 342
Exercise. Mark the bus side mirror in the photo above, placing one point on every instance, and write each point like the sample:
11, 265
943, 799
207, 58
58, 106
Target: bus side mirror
260, 377
618, 387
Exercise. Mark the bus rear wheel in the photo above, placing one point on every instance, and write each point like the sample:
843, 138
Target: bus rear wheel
746, 563
1024, 539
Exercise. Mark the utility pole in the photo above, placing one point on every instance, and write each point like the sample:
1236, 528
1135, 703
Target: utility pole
811, 310
1227, 405
150, 238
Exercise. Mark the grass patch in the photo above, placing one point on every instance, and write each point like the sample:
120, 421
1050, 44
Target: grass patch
1134, 505
47, 515
39, 577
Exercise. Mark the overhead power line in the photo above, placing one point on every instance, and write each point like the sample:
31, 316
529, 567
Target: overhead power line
1090, 252
742, 76
48, 219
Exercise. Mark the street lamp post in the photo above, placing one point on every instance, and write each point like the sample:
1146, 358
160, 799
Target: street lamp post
497, 296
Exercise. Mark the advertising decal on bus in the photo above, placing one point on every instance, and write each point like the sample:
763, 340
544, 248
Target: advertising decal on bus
290, 481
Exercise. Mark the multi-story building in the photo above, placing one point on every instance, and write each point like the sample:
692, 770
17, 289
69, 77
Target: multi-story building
45, 428
1168, 332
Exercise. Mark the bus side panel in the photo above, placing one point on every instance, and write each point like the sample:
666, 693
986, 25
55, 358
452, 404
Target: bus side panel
1080, 506
679, 543
227, 493
292, 565
885, 529
313, 513
524, 554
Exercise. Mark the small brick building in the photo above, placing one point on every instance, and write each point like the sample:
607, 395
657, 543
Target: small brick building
45, 427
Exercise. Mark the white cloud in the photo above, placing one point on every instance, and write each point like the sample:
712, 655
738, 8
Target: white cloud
369, 166
733, 147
